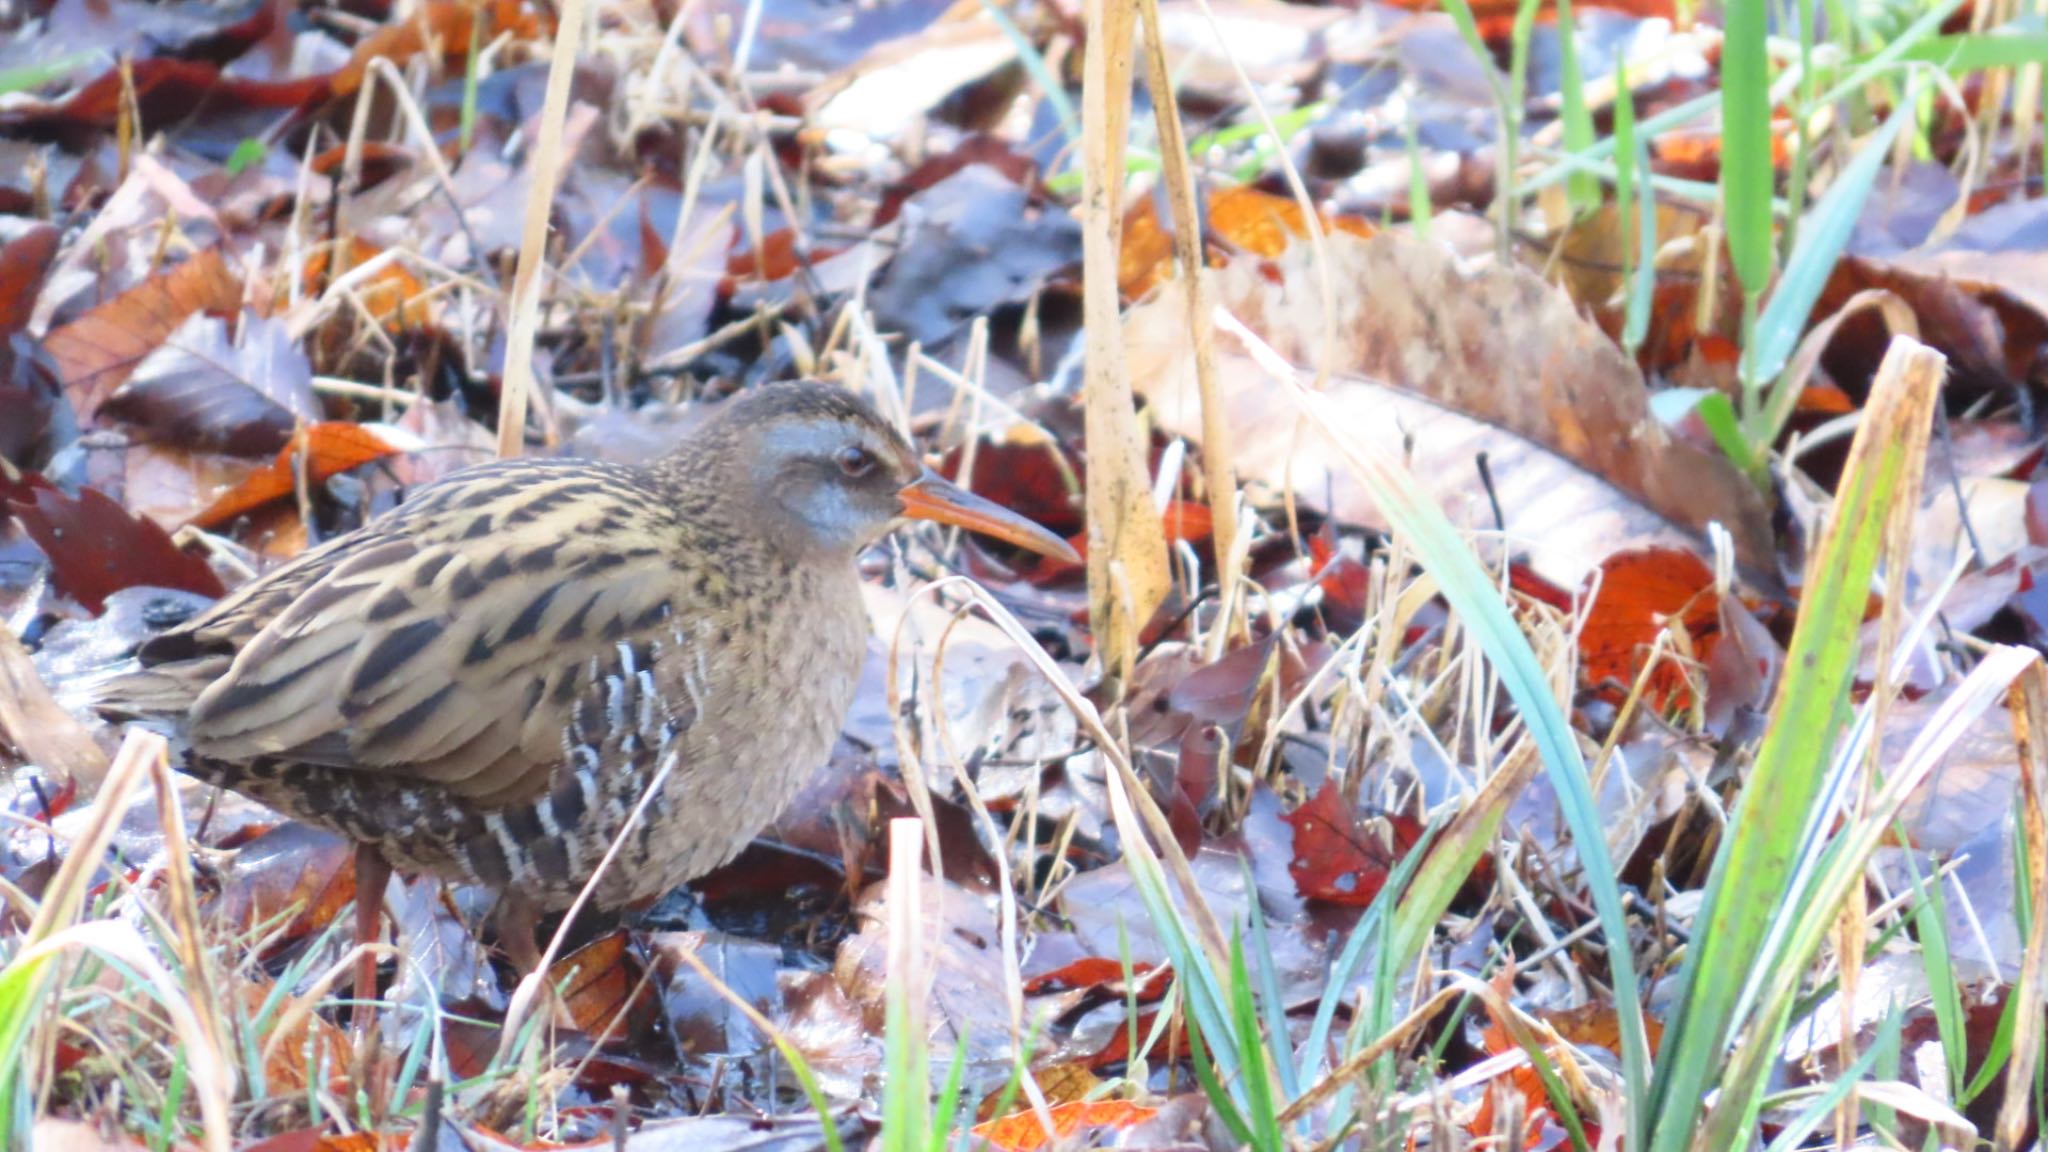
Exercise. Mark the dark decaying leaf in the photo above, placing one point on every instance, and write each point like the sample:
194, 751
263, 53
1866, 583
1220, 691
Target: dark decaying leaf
23, 260
96, 547
974, 243
164, 91
204, 390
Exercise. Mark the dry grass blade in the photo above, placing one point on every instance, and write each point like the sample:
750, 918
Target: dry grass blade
66, 894
54, 929
533, 246
1369, 1055
193, 964
906, 1106
1127, 573
1187, 255
2030, 725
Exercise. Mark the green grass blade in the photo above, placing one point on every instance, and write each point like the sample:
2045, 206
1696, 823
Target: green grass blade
1930, 920
1956, 56
1258, 1085
1747, 176
1755, 863
1820, 249
1271, 1006
1793, 1135
1411, 512
1581, 189
946, 1112
1212, 1086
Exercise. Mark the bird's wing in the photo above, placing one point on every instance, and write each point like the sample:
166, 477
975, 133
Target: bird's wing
468, 640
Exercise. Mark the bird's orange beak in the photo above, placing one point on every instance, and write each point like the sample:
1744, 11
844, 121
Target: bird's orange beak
933, 497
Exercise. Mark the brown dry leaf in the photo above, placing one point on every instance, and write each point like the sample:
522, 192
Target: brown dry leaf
1442, 366
965, 965
1592, 252
201, 388
313, 1043
887, 91
1981, 295
36, 727
602, 987
98, 351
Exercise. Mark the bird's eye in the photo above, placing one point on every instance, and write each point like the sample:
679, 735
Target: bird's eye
855, 461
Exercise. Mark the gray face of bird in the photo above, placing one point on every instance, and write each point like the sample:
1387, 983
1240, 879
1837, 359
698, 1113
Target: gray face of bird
836, 481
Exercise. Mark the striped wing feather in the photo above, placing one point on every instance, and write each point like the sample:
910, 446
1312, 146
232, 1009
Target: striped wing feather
455, 641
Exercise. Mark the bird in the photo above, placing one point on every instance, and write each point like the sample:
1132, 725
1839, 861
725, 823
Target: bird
482, 684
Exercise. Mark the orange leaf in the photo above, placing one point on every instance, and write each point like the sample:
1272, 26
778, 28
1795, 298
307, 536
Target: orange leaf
1264, 224
1021, 1132
1090, 971
98, 351
1147, 252
313, 1043
443, 26
602, 979
1643, 592
393, 296
1590, 1025
330, 448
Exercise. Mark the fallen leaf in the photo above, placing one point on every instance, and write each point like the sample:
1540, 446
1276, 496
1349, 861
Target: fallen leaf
1336, 859
1641, 594
392, 295
243, 396
1022, 1131
98, 351
288, 866
96, 547
602, 988
163, 90
36, 727
975, 241
23, 261
1267, 225
328, 449
1448, 369
444, 27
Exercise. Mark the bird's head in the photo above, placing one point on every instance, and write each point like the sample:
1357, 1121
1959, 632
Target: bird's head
829, 475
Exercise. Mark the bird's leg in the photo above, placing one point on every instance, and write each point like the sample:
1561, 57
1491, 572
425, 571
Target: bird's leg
372, 873
517, 921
